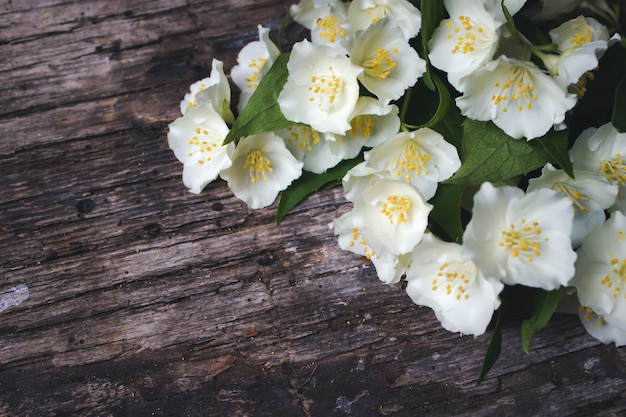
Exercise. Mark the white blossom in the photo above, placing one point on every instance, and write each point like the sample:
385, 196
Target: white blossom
321, 89
363, 13
521, 238
391, 216
590, 193
390, 65
389, 267
261, 168
311, 147
421, 158
325, 19
253, 61
600, 328
461, 296
196, 139
603, 150
214, 89
600, 278
371, 124
465, 41
517, 96
581, 42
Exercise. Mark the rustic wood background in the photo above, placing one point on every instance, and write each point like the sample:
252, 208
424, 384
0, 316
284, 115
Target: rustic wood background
148, 300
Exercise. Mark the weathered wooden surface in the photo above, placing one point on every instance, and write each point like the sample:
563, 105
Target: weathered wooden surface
148, 300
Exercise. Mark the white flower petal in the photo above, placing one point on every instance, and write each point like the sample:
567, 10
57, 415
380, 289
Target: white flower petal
389, 267
600, 328
196, 139
390, 64
517, 96
461, 296
589, 192
261, 168
465, 41
392, 216
363, 13
422, 158
601, 270
521, 238
321, 89
253, 61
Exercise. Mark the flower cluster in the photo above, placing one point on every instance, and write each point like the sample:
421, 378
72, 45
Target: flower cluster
457, 147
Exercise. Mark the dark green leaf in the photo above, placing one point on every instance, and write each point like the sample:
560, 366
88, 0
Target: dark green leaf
444, 102
262, 113
489, 154
308, 183
596, 106
619, 107
447, 210
432, 12
544, 305
495, 344
555, 146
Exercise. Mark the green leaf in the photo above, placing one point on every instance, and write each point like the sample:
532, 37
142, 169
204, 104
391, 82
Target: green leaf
489, 154
619, 107
308, 183
447, 210
544, 305
432, 12
262, 113
555, 146
444, 101
495, 344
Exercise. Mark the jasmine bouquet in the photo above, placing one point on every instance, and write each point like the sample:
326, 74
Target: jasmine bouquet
480, 143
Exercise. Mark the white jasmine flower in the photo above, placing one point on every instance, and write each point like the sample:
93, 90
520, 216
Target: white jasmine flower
603, 151
495, 8
390, 65
196, 139
261, 168
590, 193
517, 96
462, 298
214, 89
311, 147
581, 42
321, 89
363, 13
391, 216
389, 267
371, 124
325, 19
600, 328
465, 41
421, 158
600, 278
521, 238
308, 12
358, 179
253, 61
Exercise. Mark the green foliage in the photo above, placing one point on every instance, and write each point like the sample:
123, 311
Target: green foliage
619, 107
495, 344
544, 305
309, 183
489, 154
447, 210
262, 113
555, 145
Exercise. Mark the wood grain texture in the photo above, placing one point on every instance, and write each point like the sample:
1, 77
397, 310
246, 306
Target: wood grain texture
148, 300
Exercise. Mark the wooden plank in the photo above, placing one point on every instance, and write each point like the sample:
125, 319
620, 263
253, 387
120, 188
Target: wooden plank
148, 300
